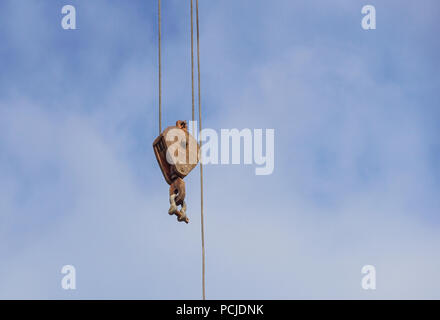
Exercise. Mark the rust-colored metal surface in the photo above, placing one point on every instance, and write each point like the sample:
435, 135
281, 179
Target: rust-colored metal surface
162, 144
176, 144
178, 188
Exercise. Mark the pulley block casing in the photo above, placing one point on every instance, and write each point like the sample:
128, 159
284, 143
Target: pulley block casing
176, 151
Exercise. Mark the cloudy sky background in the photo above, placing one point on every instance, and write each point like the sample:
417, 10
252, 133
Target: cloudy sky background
356, 177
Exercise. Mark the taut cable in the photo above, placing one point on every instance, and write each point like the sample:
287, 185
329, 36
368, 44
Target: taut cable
201, 165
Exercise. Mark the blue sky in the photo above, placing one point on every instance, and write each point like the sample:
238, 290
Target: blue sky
356, 177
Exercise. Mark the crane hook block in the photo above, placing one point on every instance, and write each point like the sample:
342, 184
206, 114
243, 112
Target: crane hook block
177, 153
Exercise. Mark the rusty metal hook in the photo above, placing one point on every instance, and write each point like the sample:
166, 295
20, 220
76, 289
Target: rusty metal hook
177, 187
181, 214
